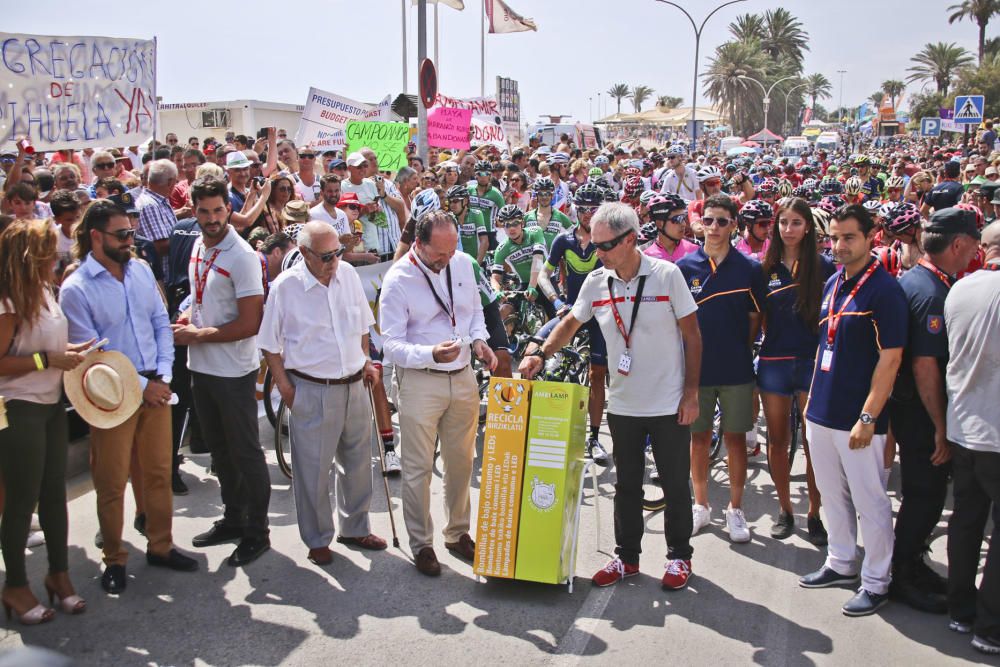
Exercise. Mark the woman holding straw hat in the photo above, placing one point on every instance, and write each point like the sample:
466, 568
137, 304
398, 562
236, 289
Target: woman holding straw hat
33, 355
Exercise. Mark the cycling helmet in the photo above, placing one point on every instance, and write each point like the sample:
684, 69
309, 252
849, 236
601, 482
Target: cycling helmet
888, 258
821, 219
709, 172
656, 158
599, 181
806, 169
886, 208
676, 149
510, 212
754, 210
664, 204
543, 184
853, 186
647, 232
588, 194
484, 165
293, 230
802, 192
810, 183
975, 209
831, 186
425, 202
648, 164
595, 172
872, 206
610, 194
628, 172
767, 187
785, 188
831, 203
633, 187
862, 161
601, 160
646, 196
765, 169
902, 218
558, 158
895, 182
457, 192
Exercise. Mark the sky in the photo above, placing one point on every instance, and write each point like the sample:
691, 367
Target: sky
274, 51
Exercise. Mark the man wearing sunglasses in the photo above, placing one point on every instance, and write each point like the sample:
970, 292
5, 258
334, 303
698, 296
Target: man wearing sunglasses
549, 219
307, 182
728, 288
522, 253
647, 315
320, 305
486, 199
670, 215
472, 230
136, 324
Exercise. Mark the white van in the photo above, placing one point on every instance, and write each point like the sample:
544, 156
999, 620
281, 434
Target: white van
729, 142
795, 146
584, 135
828, 141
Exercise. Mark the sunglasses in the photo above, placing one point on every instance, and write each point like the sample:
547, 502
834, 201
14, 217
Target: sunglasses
284, 188
586, 209
713, 182
7, 160
766, 222
513, 223
120, 234
307, 156
104, 165
484, 173
679, 219
721, 222
431, 179
353, 207
613, 243
328, 257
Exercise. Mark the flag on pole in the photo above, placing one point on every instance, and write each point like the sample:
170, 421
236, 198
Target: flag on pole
504, 19
454, 4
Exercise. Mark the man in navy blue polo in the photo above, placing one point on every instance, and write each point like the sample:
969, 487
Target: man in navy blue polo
729, 289
862, 332
918, 409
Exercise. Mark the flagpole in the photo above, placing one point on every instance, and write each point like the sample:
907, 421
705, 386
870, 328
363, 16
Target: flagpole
437, 63
482, 51
402, 4
421, 55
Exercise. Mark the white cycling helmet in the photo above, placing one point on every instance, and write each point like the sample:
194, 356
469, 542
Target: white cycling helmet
425, 202
708, 172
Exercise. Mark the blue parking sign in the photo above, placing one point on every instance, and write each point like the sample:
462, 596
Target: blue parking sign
930, 127
969, 109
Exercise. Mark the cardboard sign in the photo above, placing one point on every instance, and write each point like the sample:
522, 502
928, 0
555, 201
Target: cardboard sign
487, 123
448, 127
388, 140
76, 92
326, 115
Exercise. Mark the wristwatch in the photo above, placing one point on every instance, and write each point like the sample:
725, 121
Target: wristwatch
166, 379
866, 419
538, 353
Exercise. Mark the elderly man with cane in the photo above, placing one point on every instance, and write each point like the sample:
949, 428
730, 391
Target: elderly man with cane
314, 337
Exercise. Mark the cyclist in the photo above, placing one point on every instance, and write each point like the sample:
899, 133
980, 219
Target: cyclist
573, 250
522, 253
871, 185
472, 231
795, 272
677, 177
670, 215
755, 217
558, 171
767, 191
894, 187
544, 216
853, 190
486, 199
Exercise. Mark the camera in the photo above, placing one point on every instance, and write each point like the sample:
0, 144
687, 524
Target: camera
259, 180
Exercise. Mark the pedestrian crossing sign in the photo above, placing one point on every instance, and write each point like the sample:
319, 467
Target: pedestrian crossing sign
969, 109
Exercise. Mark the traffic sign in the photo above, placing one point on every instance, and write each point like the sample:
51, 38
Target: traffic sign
969, 109
930, 127
428, 83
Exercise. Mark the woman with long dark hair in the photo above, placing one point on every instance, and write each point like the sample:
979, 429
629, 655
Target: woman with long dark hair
795, 273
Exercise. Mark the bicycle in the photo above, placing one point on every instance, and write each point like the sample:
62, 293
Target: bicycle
272, 399
283, 439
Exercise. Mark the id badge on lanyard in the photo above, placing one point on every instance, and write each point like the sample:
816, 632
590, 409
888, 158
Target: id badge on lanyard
625, 361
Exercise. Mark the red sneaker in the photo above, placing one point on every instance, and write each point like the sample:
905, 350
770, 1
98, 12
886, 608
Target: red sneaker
677, 574
614, 572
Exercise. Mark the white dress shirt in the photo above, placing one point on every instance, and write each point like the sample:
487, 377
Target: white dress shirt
413, 322
685, 186
317, 329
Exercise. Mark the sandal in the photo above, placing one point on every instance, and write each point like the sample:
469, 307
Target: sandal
71, 604
34, 616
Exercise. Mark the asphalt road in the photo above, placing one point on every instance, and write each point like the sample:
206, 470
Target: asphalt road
742, 606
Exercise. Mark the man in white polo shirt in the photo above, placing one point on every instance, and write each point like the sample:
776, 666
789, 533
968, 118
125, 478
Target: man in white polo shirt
647, 316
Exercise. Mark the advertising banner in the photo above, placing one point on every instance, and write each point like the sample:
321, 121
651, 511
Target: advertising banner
76, 92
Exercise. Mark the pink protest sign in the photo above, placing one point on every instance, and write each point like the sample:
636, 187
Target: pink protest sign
448, 127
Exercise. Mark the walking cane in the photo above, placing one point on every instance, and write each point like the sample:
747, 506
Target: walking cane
381, 461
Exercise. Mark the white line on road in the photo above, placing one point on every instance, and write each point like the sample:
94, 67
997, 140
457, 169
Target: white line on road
574, 642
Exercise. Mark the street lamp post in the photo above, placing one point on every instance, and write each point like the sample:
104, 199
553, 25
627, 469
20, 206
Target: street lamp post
697, 46
784, 122
767, 92
840, 105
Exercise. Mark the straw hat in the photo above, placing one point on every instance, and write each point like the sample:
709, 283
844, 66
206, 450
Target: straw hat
296, 211
104, 389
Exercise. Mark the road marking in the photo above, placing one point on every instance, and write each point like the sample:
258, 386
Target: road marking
574, 643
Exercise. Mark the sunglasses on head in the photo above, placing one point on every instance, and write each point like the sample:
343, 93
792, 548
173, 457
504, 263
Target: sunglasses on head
328, 257
120, 234
721, 222
613, 243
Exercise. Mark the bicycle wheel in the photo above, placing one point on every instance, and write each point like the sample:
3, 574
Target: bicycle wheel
283, 439
795, 424
716, 446
653, 498
271, 398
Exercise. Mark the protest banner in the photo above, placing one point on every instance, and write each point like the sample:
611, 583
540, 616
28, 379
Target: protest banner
388, 140
326, 115
448, 127
76, 92
487, 123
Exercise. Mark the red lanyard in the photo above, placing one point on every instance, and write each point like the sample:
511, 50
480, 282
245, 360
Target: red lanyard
833, 321
450, 312
635, 308
942, 276
201, 281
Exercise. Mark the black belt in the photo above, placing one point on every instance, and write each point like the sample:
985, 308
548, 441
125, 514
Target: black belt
351, 379
149, 375
440, 372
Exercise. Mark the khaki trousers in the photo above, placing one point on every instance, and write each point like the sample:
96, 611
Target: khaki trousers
148, 431
433, 405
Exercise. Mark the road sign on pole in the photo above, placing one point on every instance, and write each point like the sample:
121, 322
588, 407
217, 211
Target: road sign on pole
969, 109
930, 127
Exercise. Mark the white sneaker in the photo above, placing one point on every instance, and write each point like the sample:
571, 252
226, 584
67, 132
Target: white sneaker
753, 447
702, 516
392, 464
739, 531
35, 539
35, 525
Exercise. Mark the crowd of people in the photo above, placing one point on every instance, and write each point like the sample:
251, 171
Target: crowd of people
857, 289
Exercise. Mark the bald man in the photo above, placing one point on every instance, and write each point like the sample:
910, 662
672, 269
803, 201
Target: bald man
315, 339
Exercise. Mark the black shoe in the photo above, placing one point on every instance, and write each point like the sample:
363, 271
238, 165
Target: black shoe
249, 549
197, 446
817, 531
826, 577
219, 533
907, 588
140, 524
928, 578
784, 526
597, 452
865, 603
984, 644
174, 560
114, 580
177, 484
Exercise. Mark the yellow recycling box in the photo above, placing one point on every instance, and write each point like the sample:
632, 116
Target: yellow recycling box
500, 486
553, 467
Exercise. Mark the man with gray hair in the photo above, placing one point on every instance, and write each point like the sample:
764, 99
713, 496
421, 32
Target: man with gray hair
654, 389
314, 337
102, 165
156, 216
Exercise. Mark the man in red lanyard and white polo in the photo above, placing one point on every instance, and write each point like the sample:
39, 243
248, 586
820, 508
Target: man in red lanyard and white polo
862, 334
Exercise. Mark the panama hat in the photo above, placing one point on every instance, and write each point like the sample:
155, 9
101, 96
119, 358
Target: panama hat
104, 389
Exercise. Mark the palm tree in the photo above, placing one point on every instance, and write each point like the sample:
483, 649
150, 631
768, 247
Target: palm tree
619, 91
639, 95
818, 87
739, 99
978, 11
784, 37
939, 63
877, 98
747, 28
669, 101
893, 89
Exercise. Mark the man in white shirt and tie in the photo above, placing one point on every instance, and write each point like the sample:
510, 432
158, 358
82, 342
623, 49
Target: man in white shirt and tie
432, 323
315, 339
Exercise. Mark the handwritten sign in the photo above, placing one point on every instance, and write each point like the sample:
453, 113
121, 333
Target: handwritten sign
388, 140
76, 92
326, 115
487, 123
448, 127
